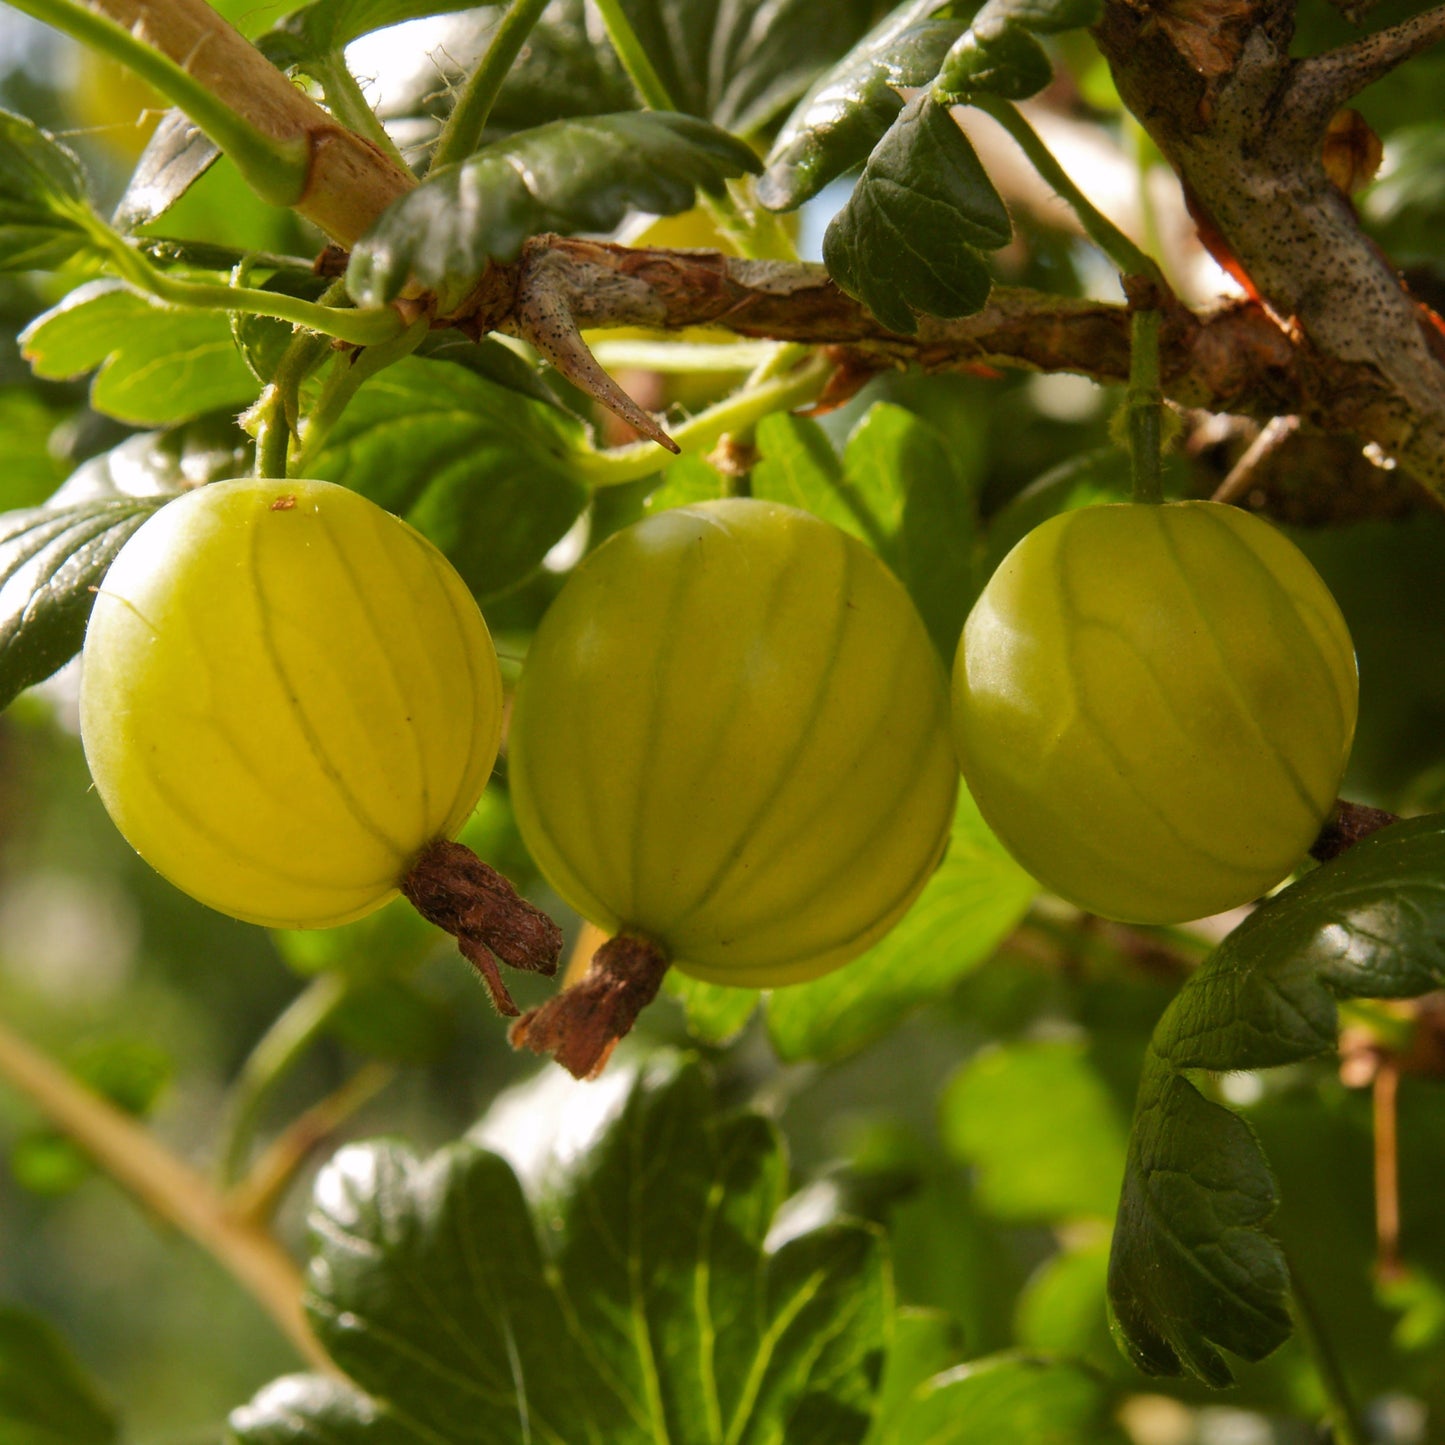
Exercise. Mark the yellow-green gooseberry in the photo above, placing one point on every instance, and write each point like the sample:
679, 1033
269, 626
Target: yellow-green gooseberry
730, 741
287, 693
1153, 707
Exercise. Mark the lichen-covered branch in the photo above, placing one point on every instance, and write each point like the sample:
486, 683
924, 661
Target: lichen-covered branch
1241, 122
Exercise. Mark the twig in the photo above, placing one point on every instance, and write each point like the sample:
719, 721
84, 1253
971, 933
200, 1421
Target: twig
1387, 1169
255, 1197
142, 1166
1241, 476
1323, 83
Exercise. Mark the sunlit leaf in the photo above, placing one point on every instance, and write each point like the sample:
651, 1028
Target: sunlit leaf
642, 1303
575, 175
910, 236
43, 202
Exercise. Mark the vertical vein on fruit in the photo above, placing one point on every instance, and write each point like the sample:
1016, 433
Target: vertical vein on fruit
662, 666
1149, 804
405, 703
303, 723
1207, 622
787, 762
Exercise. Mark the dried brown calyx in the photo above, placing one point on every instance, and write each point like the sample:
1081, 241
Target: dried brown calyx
452, 888
582, 1025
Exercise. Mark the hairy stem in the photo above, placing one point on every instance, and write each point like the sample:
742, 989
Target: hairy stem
170, 1189
1145, 407
360, 328
345, 101
462, 132
1130, 260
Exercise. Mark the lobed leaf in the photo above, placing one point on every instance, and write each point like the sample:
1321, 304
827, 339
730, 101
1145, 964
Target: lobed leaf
850, 108
999, 54
153, 364
46, 1398
481, 470
583, 174
654, 1311
909, 238
51, 560
43, 202
1192, 1272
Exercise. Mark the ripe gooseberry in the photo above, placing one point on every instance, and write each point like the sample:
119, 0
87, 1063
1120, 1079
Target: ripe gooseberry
1153, 707
730, 748
287, 694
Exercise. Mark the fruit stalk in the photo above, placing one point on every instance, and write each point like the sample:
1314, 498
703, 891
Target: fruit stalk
452, 888
583, 1024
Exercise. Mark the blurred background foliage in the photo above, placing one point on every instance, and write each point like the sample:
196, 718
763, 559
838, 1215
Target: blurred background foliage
985, 1132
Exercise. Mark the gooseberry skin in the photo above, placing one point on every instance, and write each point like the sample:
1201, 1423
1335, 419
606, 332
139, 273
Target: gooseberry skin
730, 737
286, 694
1153, 707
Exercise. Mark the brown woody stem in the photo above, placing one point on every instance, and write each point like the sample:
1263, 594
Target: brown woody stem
582, 1025
452, 888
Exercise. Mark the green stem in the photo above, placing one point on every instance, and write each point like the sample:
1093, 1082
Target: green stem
634, 57
280, 1048
342, 384
273, 433
1130, 260
462, 133
1344, 1419
360, 328
169, 1188
276, 170
348, 105
1145, 402
735, 414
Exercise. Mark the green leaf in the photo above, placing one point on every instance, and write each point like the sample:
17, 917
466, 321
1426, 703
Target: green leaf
1011, 1397
482, 471
968, 907
742, 64
685, 480
910, 478
51, 560
850, 108
46, 1398
909, 238
392, 1019
327, 26
898, 487
716, 1014
159, 464
1043, 17
32, 470
177, 155
655, 1310
797, 465
1192, 1271
1040, 1128
569, 175
1063, 1309
924, 1343
997, 56
156, 364
43, 204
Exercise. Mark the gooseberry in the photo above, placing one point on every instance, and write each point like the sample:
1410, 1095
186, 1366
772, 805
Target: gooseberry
730, 748
287, 694
1153, 707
